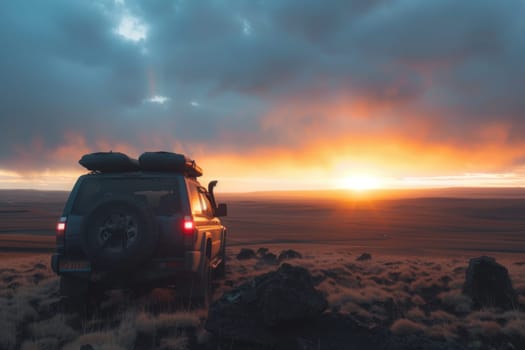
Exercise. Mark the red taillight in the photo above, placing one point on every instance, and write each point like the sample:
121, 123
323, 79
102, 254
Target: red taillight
61, 228
188, 226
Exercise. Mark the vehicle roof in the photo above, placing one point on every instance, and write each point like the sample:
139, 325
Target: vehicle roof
135, 174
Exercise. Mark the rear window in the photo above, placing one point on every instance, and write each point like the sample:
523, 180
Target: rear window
160, 194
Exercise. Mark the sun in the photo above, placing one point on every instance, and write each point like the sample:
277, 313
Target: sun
360, 183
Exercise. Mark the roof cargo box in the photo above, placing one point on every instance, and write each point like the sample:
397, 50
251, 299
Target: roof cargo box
109, 162
168, 161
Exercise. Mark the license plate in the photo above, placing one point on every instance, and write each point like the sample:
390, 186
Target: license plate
74, 266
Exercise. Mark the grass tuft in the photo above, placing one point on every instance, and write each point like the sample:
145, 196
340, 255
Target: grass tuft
405, 326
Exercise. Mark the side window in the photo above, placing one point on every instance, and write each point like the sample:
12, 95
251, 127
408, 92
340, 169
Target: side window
196, 207
206, 205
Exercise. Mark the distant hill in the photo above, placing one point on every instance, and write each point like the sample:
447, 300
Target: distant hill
33, 196
452, 192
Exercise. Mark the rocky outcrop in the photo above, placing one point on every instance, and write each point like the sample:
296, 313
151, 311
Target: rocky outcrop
246, 254
289, 254
262, 251
364, 257
263, 309
489, 285
269, 259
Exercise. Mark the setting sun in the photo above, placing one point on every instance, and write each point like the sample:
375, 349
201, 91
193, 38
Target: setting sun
360, 183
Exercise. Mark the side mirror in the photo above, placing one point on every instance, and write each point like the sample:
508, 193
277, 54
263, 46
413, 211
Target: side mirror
221, 210
211, 186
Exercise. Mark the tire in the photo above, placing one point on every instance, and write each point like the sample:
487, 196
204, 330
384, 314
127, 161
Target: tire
80, 296
220, 270
197, 289
74, 288
119, 234
140, 291
75, 292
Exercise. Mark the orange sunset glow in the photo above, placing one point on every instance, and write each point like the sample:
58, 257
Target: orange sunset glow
357, 162
283, 105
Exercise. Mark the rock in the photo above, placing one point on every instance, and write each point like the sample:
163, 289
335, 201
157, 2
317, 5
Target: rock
445, 280
290, 297
37, 277
40, 266
270, 259
306, 344
488, 284
260, 310
246, 254
289, 254
418, 342
228, 283
262, 252
45, 343
364, 256
334, 331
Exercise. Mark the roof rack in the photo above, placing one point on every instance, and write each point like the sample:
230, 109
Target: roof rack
170, 162
115, 162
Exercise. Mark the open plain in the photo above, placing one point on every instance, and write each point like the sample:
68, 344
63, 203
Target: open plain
409, 291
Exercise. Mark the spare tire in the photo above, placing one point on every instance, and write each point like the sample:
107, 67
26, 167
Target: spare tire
119, 233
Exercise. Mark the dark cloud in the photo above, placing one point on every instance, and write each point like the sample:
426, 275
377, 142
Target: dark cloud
224, 66
62, 69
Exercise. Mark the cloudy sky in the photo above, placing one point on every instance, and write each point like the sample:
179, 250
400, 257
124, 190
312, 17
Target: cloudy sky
267, 94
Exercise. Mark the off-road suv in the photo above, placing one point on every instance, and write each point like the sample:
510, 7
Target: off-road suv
140, 224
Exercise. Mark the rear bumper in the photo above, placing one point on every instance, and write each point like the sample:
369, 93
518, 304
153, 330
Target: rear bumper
152, 270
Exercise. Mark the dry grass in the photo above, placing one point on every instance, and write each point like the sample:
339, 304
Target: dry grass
515, 328
55, 327
404, 326
33, 316
147, 322
411, 295
416, 314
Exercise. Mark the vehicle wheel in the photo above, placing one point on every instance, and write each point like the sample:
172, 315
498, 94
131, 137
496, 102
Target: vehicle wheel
140, 291
202, 292
76, 294
74, 288
197, 289
220, 270
119, 234
80, 295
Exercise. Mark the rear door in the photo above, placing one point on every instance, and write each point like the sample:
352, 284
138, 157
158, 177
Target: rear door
159, 194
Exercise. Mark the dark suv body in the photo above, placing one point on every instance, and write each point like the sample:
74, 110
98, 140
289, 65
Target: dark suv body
141, 229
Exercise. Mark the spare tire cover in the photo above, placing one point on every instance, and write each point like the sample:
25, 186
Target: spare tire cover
119, 233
